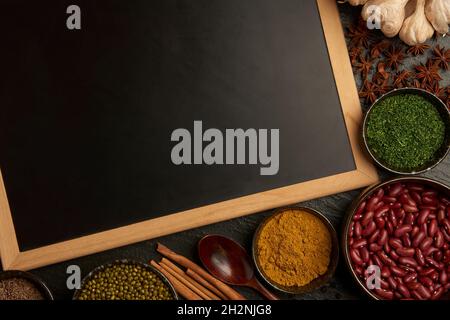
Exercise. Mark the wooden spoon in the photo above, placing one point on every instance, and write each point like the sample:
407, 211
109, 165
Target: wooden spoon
228, 261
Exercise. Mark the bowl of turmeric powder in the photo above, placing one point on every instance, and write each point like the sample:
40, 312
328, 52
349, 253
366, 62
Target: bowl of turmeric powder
296, 250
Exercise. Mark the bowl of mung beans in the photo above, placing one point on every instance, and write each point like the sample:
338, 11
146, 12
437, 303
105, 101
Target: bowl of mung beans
125, 280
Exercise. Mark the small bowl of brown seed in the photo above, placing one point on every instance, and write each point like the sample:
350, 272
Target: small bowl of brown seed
21, 285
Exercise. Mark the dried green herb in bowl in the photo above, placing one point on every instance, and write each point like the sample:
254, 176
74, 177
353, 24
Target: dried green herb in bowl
406, 132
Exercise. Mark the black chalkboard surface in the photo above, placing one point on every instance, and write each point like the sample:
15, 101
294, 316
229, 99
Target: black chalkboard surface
87, 115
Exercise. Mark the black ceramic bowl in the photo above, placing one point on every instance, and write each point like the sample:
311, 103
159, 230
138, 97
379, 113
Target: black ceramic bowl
354, 206
445, 115
316, 283
128, 262
36, 281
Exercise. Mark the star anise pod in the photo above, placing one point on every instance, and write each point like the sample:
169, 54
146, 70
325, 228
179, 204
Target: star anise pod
418, 49
364, 66
428, 74
416, 84
401, 80
355, 54
436, 89
359, 34
441, 57
369, 92
381, 77
394, 57
377, 49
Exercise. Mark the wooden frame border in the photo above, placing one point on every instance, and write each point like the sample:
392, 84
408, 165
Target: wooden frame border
365, 174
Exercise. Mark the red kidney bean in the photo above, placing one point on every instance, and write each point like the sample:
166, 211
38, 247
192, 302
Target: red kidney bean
360, 209
384, 284
377, 261
379, 205
371, 227
385, 259
446, 235
426, 281
390, 228
408, 261
431, 208
410, 277
374, 237
395, 189
389, 199
441, 215
399, 272
401, 230
395, 205
416, 295
392, 283
358, 229
445, 201
354, 255
426, 272
380, 193
432, 216
437, 294
382, 239
425, 244
430, 251
403, 290
418, 239
359, 243
409, 218
406, 199
446, 224
415, 230
367, 217
423, 216
419, 257
434, 276
364, 254
385, 272
432, 228
375, 247
371, 203
429, 200
393, 218
406, 240
381, 211
416, 197
443, 277
438, 255
395, 243
399, 213
405, 252
412, 285
439, 239
415, 187
409, 208
386, 247
380, 223
385, 294
429, 193
434, 263
394, 255
424, 228
424, 292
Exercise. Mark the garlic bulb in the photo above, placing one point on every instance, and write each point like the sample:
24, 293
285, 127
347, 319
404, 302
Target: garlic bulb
416, 28
391, 14
438, 13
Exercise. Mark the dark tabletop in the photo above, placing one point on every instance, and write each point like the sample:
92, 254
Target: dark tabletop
242, 229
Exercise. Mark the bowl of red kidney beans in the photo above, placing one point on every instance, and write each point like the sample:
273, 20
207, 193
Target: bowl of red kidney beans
396, 240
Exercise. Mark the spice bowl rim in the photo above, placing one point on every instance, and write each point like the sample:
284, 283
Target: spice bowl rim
316, 283
352, 210
102, 267
439, 105
34, 279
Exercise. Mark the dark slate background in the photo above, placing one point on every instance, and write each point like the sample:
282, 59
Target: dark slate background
242, 229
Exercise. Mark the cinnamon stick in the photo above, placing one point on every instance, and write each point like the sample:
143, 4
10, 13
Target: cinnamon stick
188, 264
180, 288
205, 283
209, 295
185, 282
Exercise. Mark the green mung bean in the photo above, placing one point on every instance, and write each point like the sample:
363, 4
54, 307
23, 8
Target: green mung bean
125, 282
405, 131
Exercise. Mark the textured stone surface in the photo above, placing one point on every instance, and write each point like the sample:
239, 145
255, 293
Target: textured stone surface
242, 229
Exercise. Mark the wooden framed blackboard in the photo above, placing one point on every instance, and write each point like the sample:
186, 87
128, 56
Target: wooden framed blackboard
87, 117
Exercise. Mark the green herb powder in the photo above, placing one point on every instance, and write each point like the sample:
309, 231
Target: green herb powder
404, 132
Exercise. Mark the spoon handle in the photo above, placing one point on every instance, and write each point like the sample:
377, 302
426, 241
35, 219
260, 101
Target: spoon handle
255, 284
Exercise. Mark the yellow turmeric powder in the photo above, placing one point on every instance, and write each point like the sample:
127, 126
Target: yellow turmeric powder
294, 248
